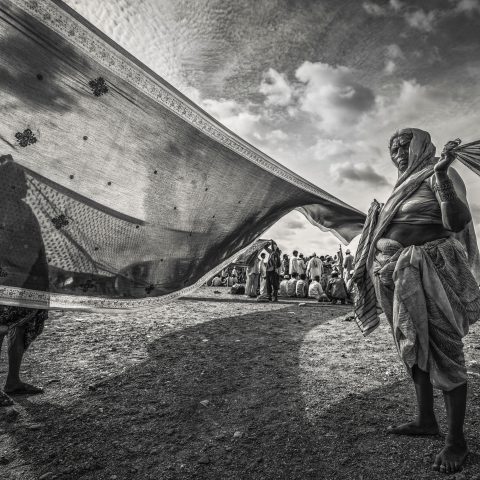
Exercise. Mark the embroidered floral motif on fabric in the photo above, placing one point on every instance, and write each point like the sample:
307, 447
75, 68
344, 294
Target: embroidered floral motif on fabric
60, 221
98, 86
89, 284
26, 138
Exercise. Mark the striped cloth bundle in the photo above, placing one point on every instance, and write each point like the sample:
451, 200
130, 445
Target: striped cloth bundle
367, 308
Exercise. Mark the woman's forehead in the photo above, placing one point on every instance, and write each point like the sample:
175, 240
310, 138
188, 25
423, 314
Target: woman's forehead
401, 139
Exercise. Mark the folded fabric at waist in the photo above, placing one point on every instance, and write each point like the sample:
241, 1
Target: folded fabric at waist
388, 246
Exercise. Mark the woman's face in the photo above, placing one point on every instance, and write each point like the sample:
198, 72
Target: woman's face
399, 150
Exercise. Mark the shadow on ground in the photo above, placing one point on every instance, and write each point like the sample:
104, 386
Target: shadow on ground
223, 400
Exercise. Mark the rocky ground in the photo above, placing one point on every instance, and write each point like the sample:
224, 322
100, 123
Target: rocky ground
216, 386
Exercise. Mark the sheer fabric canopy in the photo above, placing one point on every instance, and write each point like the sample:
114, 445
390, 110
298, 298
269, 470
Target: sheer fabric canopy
117, 191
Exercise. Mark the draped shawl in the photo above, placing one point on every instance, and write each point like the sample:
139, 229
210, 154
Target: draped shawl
421, 161
139, 195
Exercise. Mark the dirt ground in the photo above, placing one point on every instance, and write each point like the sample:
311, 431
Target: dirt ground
216, 386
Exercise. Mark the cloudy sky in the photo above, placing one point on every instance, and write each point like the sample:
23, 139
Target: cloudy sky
319, 85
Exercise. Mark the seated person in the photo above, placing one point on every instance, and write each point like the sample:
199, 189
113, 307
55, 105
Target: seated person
301, 288
315, 290
291, 285
282, 292
217, 281
336, 289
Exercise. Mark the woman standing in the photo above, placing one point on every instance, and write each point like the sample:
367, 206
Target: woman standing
252, 278
417, 250
23, 264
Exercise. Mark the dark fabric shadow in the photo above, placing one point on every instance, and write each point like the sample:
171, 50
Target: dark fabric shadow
224, 400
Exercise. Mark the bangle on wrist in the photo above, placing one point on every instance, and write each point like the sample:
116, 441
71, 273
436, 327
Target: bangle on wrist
446, 190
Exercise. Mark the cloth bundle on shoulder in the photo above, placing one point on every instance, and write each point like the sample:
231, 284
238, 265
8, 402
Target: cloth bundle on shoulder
133, 194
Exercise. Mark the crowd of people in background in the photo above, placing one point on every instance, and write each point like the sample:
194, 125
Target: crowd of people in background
229, 277
324, 278
272, 275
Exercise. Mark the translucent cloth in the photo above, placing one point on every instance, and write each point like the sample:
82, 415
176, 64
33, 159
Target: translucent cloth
120, 193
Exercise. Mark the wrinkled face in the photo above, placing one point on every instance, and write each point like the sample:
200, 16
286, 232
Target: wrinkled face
399, 150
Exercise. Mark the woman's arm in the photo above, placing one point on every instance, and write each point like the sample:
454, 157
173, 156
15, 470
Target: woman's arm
451, 193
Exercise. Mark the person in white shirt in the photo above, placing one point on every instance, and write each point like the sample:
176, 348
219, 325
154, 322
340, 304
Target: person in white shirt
302, 265
263, 274
294, 264
314, 267
217, 281
291, 285
315, 290
252, 273
348, 265
301, 288
282, 292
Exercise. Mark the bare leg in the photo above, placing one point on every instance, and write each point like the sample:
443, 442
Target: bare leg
14, 385
5, 400
425, 423
452, 456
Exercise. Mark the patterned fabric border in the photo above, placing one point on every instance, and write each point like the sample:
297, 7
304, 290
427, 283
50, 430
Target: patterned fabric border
58, 301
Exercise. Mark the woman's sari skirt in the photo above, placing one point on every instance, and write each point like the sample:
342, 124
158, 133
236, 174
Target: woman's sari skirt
430, 299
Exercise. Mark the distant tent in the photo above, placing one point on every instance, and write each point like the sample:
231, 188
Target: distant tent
247, 258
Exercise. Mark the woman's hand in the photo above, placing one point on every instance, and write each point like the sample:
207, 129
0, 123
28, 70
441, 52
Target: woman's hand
447, 157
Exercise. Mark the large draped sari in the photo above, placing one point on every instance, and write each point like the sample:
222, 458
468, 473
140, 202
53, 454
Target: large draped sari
140, 196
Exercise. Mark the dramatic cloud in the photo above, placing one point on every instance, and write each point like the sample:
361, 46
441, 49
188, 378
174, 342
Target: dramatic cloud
276, 135
396, 5
332, 150
411, 105
373, 9
394, 51
424, 21
390, 67
233, 115
296, 224
358, 173
333, 95
276, 88
306, 239
467, 6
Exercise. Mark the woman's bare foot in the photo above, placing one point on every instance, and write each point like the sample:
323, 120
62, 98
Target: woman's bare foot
452, 456
415, 428
22, 388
